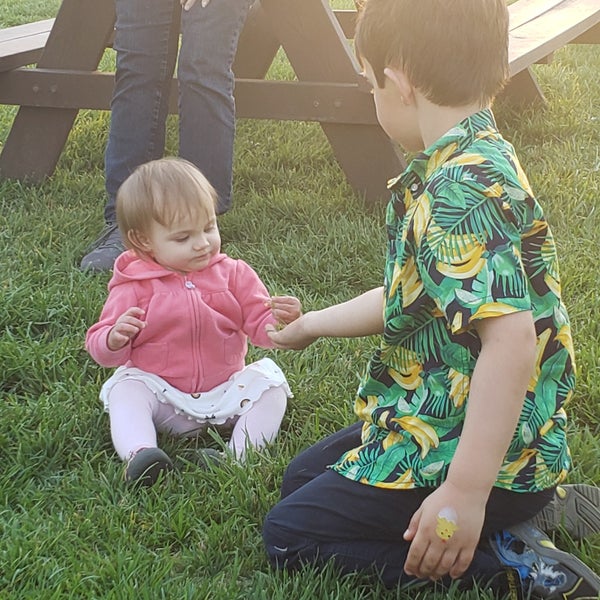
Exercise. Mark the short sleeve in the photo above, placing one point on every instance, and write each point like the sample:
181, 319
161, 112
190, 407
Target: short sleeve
470, 256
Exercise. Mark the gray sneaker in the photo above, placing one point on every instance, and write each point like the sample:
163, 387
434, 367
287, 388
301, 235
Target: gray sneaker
575, 508
103, 252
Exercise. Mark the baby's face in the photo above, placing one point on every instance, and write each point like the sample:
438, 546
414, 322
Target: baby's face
185, 245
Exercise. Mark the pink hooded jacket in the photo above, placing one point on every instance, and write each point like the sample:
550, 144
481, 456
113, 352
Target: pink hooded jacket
197, 325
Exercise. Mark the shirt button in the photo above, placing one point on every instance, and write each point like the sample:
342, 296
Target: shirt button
189, 285
414, 187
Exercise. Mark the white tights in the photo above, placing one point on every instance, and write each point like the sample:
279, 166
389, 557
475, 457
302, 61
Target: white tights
136, 415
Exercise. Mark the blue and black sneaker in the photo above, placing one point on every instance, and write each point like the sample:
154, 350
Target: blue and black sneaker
544, 570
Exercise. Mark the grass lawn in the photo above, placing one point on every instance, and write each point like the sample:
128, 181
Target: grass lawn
69, 526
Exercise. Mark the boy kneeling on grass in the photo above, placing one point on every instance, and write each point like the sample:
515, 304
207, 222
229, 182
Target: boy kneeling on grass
461, 438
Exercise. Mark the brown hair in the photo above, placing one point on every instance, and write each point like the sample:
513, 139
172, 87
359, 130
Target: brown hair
165, 191
454, 52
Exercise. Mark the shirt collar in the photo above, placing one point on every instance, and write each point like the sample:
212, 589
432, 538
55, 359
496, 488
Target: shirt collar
457, 139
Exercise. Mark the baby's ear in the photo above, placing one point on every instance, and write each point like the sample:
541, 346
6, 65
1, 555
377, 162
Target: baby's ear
139, 242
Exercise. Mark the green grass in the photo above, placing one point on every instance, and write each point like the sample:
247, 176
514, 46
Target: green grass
69, 527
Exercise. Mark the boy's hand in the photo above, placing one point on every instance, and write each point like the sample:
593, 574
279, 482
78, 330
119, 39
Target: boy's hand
444, 533
294, 336
187, 4
128, 325
285, 308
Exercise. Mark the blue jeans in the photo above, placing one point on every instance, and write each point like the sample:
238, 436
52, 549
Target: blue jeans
324, 516
145, 31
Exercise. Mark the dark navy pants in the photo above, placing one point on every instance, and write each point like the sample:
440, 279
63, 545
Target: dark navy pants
324, 516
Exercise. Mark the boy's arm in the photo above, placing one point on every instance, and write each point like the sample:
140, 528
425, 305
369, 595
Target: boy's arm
497, 392
358, 317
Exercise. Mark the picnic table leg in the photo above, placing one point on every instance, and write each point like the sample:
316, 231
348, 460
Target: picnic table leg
318, 51
523, 88
257, 45
38, 135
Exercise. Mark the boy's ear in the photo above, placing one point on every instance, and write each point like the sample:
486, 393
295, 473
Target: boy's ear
401, 82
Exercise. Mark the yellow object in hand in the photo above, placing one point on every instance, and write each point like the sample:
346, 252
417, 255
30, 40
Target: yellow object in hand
446, 524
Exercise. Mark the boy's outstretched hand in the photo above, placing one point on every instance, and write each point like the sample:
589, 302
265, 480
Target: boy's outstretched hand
285, 308
444, 533
128, 325
293, 336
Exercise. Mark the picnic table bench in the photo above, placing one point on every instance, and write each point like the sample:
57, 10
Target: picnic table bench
328, 89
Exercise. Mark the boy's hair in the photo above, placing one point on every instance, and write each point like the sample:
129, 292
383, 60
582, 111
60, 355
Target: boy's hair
454, 52
165, 190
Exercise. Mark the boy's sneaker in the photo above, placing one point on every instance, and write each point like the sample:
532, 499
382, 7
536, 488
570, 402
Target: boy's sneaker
104, 251
146, 466
575, 508
545, 571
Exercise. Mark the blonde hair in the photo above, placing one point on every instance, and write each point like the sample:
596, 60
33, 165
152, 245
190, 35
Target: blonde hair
165, 190
454, 52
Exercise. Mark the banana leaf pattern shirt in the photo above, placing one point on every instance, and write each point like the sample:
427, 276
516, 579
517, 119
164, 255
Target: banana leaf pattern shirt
467, 240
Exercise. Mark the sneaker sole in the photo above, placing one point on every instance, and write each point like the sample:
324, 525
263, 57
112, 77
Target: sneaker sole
574, 508
544, 547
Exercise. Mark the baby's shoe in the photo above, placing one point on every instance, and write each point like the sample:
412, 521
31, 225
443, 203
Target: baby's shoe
208, 458
544, 570
146, 465
575, 508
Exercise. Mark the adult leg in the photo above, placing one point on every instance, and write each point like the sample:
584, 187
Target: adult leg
146, 38
260, 425
206, 105
146, 34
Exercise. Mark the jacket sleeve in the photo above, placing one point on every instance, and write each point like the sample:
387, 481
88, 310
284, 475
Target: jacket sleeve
120, 298
254, 299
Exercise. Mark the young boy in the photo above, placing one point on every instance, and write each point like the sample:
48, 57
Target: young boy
461, 437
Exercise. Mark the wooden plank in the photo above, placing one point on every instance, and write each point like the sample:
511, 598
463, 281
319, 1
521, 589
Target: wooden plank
537, 38
257, 45
591, 36
523, 88
255, 99
26, 30
523, 11
347, 21
318, 51
38, 135
23, 44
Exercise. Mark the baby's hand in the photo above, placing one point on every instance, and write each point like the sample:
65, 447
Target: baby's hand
187, 4
285, 308
128, 325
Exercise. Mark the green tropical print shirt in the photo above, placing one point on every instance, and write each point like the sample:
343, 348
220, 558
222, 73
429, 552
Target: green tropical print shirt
467, 240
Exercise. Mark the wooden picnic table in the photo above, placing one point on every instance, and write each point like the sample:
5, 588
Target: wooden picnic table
328, 89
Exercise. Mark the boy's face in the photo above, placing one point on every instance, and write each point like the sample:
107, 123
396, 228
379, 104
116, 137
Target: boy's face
395, 111
186, 245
